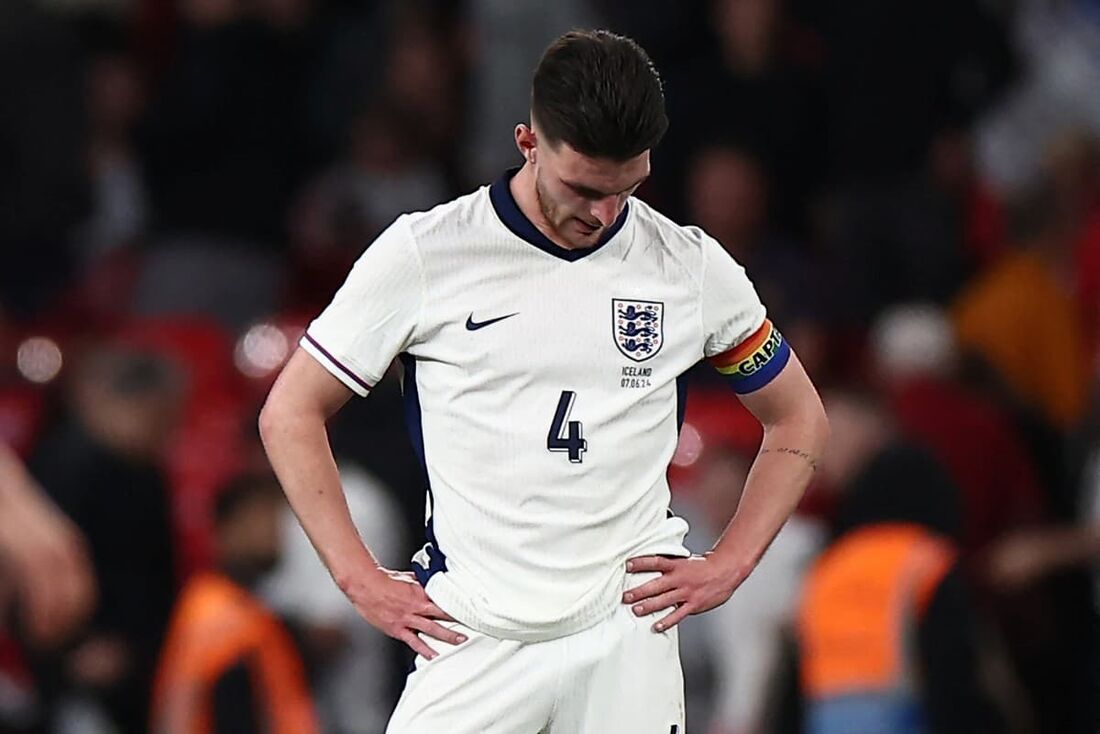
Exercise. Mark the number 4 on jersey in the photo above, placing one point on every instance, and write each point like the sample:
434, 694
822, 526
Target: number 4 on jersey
571, 439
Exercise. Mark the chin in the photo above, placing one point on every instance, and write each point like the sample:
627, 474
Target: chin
582, 241
583, 238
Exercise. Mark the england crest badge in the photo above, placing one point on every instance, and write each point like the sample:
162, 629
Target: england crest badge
638, 327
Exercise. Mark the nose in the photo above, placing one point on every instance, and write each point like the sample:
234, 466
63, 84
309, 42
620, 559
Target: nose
606, 210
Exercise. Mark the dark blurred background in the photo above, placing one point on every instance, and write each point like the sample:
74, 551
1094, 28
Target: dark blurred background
913, 187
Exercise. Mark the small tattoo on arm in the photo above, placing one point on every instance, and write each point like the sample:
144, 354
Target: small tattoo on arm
793, 452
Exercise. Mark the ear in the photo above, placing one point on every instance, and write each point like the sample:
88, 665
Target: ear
527, 142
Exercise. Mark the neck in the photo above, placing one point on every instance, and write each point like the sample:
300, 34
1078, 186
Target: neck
526, 193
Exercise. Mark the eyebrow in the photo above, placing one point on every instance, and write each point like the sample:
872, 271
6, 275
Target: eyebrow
587, 191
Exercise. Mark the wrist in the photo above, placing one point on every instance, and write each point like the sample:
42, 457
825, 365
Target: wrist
362, 572
733, 566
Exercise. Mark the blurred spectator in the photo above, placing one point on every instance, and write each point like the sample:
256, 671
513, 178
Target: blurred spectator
669, 32
223, 135
355, 663
224, 149
46, 585
1038, 571
349, 68
43, 189
901, 239
423, 75
1024, 558
228, 665
893, 229
762, 95
728, 194
103, 468
508, 38
385, 173
914, 359
1036, 345
116, 99
45, 572
740, 642
1002, 498
1073, 164
970, 199
886, 632
890, 91
1059, 46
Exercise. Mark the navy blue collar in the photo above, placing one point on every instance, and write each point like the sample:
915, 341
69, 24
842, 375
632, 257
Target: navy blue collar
515, 220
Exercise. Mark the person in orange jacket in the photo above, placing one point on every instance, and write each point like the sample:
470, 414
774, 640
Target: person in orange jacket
229, 666
886, 630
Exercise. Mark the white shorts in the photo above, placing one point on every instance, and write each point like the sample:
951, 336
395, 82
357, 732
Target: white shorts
617, 677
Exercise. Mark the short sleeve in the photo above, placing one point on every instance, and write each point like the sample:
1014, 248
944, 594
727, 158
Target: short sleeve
739, 340
731, 309
375, 314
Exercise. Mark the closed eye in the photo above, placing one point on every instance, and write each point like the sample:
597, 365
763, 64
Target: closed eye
588, 193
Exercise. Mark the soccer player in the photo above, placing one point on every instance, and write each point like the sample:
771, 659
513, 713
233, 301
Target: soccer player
544, 323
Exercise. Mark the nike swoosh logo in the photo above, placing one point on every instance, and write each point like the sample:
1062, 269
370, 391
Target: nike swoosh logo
472, 325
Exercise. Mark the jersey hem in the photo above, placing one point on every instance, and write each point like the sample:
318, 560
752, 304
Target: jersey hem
446, 593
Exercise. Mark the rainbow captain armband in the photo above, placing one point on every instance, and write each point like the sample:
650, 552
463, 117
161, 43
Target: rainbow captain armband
755, 362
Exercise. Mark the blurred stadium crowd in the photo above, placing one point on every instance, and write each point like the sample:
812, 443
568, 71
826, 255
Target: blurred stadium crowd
913, 187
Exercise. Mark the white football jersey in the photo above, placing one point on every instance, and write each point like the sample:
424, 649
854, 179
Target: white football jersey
542, 392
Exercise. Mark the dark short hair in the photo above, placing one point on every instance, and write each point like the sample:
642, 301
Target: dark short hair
600, 93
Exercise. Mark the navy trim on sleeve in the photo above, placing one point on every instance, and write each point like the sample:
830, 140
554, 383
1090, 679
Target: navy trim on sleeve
343, 368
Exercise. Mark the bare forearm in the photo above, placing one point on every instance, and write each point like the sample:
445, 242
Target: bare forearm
23, 507
293, 429
16, 485
779, 476
776, 482
298, 448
